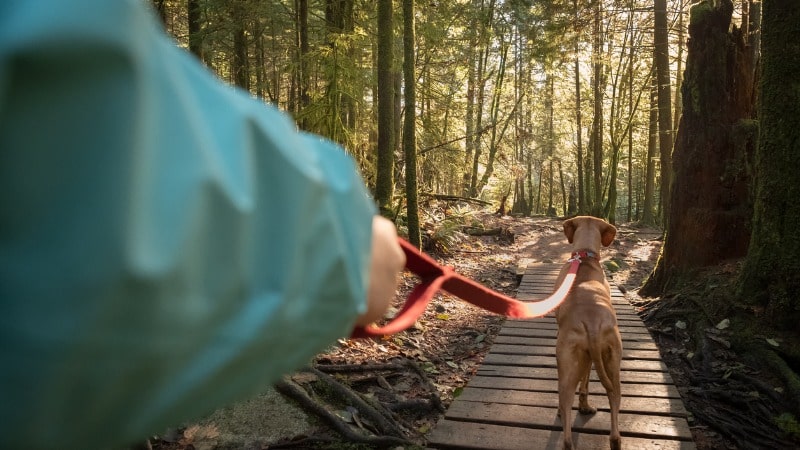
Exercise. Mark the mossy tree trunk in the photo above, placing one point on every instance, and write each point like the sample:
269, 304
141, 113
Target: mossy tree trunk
771, 274
709, 208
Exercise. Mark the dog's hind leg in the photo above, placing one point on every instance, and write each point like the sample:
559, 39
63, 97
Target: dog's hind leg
571, 367
566, 395
583, 394
607, 365
612, 364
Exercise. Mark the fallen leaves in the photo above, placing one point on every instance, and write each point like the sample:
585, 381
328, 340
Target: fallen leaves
200, 437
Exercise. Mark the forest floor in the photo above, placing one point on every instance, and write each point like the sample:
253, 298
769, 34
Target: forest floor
395, 389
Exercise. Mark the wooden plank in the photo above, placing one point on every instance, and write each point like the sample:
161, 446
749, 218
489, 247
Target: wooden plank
660, 406
528, 384
628, 333
510, 349
550, 361
626, 376
450, 434
635, 326
544, 342
624, 320
522, 266
548, 419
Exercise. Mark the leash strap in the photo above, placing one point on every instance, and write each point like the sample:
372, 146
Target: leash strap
435, 277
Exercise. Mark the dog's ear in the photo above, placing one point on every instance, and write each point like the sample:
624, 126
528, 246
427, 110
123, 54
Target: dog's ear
569, 229
607, 234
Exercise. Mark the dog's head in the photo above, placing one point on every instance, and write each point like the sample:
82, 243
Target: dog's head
590, 231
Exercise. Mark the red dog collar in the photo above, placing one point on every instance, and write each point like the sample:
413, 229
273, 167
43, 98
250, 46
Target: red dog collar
435, 277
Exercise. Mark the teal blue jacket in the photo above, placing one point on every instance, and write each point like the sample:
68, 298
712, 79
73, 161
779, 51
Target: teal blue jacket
168, 244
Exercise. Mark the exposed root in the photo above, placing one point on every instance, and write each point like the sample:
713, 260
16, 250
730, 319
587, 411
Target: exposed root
294, 391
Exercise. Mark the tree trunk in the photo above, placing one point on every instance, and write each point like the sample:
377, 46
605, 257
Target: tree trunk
239, 66
709, 209
661, 43
409, 128
338, 22
678, 110
261, 73
564, 200
469, 119
578, 116
161, 10
610, 210
487, 14
648, 207
494, 141
304, 76
194, 14
771, 274
384, 181
597, 126
631, 88
550, 133
529, 170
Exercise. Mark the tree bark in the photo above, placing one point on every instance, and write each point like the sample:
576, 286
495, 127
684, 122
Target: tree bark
239, 66
578, 117
661, 43
193, 13
771, 273
597, 127
384, 181
471, 58
161, 10
648, 207
494, 140
409, 128
484, 33
302, 66
709, 208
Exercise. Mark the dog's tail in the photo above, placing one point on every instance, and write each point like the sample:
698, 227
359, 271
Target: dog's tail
598, 345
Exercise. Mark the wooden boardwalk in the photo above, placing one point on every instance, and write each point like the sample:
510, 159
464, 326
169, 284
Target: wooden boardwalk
512, 402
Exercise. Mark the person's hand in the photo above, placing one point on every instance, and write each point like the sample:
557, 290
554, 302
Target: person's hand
387, 260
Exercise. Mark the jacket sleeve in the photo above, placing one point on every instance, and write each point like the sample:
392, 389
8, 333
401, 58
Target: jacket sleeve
167, 243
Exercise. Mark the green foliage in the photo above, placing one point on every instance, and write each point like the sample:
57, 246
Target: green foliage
338, 73
444, 232
614, 265
789, 425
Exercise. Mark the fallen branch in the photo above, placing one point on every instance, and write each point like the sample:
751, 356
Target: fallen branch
472, 231
456, 198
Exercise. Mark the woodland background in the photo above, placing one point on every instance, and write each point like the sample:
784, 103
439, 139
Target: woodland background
673, 113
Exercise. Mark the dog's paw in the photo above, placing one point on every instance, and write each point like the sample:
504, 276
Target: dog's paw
586, 410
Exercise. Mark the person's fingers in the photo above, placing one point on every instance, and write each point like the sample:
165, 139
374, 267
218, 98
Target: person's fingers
387, 260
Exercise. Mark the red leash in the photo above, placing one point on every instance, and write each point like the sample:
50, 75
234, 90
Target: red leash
435, 277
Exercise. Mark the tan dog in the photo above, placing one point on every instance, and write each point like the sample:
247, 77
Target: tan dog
587, 328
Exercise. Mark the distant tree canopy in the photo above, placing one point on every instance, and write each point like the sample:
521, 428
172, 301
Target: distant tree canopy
547, 100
